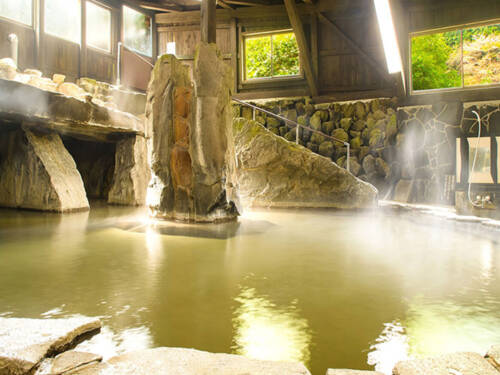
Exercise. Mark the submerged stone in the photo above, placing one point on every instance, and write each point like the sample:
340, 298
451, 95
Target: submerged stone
25, 342
275, 173
179, 361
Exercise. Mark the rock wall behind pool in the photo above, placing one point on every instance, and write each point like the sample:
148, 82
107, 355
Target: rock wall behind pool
273, 172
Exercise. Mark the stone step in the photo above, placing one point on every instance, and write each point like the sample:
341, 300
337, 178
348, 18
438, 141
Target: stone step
448, 364
24, 343
178, 361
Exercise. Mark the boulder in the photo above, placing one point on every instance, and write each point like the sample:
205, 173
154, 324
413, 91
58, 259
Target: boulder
327, 127
191, 144
369, 164
315, 122
8, 68
346, 123
340, 134
358, 125
317, 138
37, 172
66, 362
24, 343
326, 149
131, 174
360, 110
460, 363
275, 173
177, 361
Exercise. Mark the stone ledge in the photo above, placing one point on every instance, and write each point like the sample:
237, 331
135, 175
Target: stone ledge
448, 364
67, 115
24, 343
178, 361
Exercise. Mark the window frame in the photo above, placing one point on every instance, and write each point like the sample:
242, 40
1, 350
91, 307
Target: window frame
245, 80
111, 29
462, 88
122, 30
30, 26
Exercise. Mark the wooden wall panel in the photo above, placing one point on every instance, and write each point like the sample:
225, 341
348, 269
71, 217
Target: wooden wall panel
26, 36
101, 66
61, 56
187, 39
432, 15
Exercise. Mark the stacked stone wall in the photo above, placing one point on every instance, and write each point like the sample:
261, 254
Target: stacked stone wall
408, 153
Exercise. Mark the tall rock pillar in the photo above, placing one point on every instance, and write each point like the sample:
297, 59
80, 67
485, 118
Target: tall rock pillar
189, 124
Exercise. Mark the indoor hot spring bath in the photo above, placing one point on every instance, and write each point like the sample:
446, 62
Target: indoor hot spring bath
329, 289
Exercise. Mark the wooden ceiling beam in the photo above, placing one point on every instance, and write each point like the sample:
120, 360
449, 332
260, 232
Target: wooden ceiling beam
252, 3
224, 5
162, 6
305, 55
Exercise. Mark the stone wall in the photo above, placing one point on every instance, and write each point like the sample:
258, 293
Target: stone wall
370, 127
408, 153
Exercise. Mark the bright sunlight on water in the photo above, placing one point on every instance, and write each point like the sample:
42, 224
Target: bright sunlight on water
330, 289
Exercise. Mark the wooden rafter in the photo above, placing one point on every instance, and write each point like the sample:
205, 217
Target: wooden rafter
161, 6
252, 3
223, 4
305, 56
370, 60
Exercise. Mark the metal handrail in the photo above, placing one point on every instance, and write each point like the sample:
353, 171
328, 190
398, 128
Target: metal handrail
287, 121
14, 47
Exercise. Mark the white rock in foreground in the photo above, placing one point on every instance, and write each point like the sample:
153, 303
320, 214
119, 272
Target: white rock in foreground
494, 355
25, 342
448, 364
177, 361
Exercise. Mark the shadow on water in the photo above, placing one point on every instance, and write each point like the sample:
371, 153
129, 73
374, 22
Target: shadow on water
220, 231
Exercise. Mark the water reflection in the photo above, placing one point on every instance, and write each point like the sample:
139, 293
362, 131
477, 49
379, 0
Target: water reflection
109, 344
437, 327
268, 332
211, 231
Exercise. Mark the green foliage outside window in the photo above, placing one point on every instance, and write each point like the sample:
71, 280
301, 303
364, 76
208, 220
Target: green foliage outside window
437, 60
271, 56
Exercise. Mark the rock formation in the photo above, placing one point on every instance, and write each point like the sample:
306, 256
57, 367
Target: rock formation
189, 123
24, 343
37, 172
131, 173
189, 362
272, 172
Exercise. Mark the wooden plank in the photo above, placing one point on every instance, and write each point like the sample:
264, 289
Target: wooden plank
368, 59
162, 7
208, 21
305, 56
251, 3
224, 5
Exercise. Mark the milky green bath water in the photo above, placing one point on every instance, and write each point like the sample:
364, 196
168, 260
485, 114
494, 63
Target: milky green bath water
330, 289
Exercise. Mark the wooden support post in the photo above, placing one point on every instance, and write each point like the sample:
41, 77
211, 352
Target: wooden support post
305, 56
234, 52
208, 21
83, 44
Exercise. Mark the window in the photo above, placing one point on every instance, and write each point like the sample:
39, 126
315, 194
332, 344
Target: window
456, 59
271, 55
137, 31
98, 27
19, 10
63, 19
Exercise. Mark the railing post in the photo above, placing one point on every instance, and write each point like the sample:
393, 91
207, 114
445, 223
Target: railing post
348, 156
297, 134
